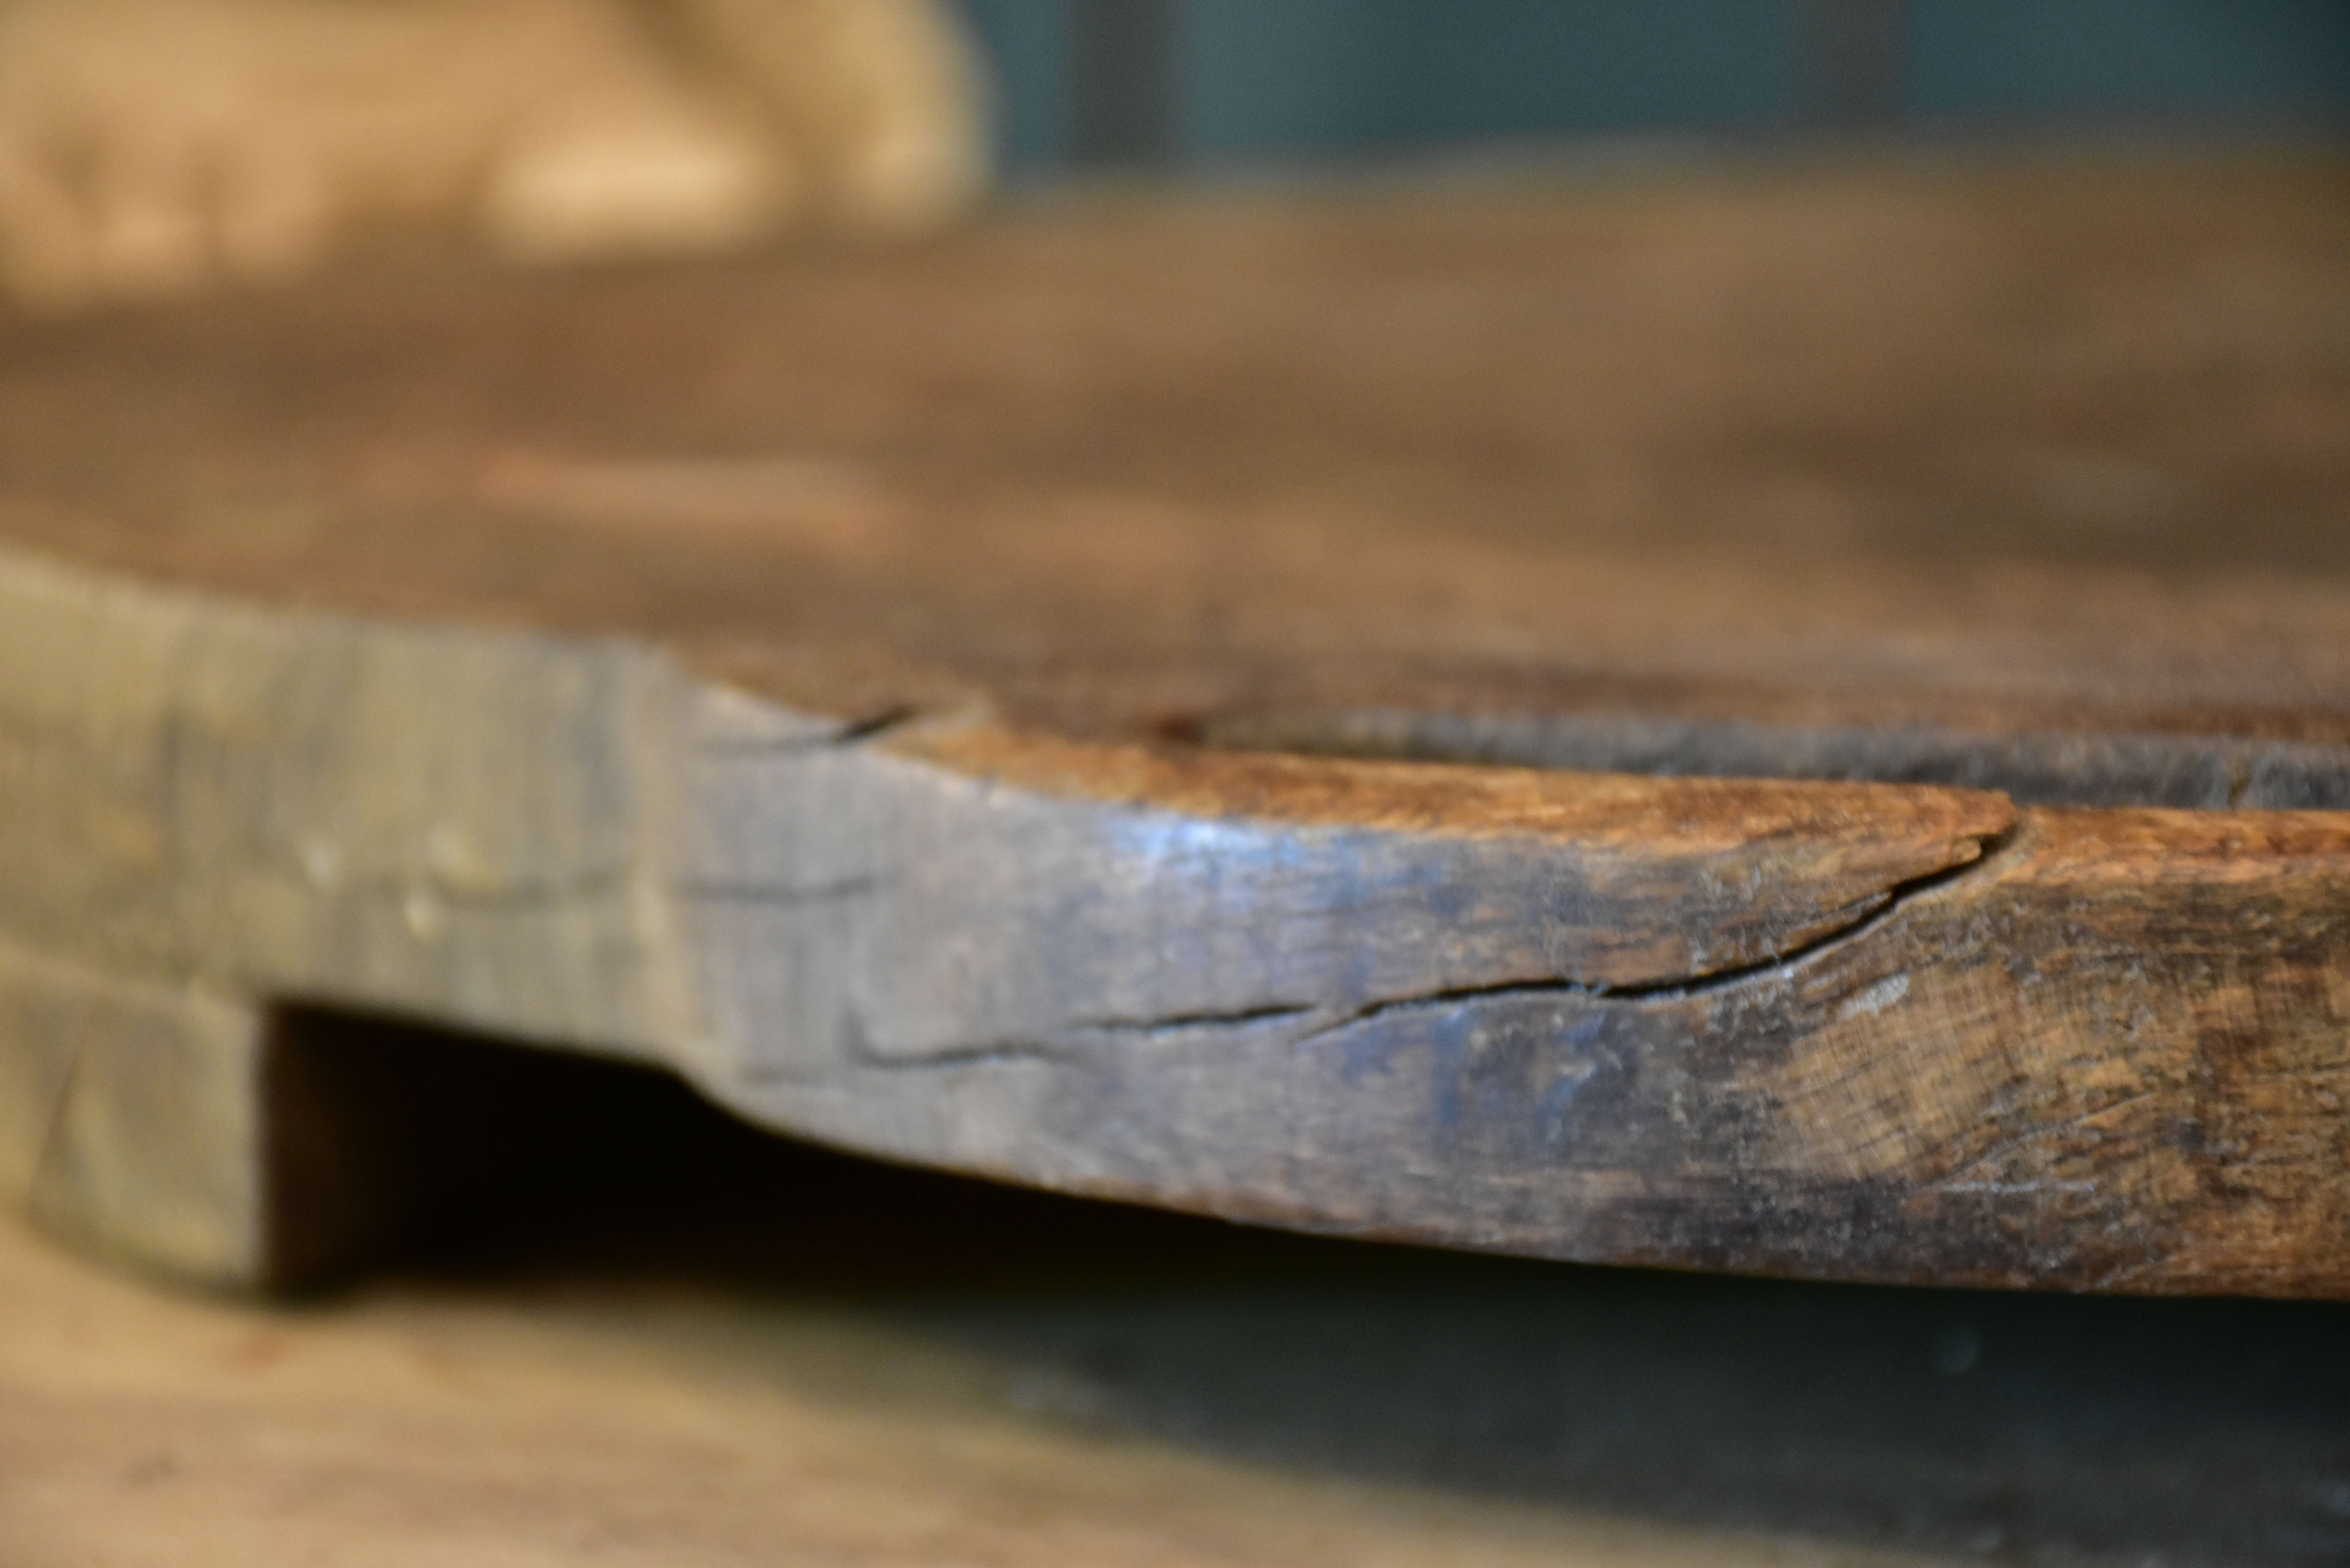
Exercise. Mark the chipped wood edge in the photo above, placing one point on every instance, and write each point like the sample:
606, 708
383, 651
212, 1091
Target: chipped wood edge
1848, 1031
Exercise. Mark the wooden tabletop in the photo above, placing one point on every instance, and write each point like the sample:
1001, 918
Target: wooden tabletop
1784, 718
486, 1429
680, 1343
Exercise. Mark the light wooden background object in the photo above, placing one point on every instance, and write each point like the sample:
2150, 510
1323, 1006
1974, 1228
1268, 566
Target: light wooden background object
1774, 719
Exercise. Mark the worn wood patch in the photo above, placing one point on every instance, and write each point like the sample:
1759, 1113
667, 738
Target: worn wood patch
1791, 724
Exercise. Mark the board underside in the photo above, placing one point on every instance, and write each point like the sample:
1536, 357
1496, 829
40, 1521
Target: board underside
1786, 719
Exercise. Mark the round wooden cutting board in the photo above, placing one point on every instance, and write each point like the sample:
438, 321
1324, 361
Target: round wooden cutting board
1786, 718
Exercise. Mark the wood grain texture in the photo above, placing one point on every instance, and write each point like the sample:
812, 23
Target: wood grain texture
1525, 720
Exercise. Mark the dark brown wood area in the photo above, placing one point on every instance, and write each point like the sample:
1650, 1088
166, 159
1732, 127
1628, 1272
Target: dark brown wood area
1788, 719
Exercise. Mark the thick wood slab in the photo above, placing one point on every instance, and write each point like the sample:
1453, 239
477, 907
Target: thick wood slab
1792, 722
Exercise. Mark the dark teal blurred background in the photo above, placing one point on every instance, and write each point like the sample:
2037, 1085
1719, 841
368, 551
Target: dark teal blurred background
1209, 84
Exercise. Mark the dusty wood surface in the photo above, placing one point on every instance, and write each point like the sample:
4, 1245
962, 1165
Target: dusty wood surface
1180, 701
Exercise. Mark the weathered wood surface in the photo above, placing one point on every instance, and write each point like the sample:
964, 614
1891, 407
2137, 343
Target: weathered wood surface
1179, 703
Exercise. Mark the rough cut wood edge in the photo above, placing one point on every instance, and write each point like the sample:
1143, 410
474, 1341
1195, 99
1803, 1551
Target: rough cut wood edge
129, 1116
1851, 1030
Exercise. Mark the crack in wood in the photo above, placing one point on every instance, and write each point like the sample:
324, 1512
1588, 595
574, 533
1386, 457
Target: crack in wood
1236, 1018
783, 895
1064, 1045
848, 733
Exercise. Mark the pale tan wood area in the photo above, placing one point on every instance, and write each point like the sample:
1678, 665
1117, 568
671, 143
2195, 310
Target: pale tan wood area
479, 1429
1782, 718
137, 1428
